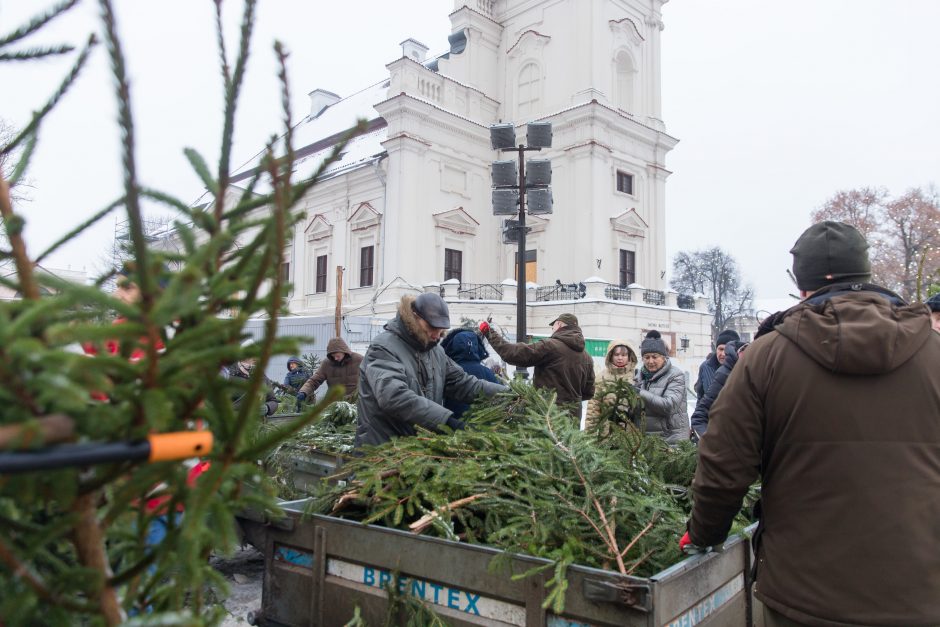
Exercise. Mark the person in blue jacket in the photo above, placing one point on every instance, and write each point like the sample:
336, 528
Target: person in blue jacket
465, 348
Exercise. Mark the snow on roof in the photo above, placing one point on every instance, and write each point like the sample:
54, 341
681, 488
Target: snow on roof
315, 137
341, 116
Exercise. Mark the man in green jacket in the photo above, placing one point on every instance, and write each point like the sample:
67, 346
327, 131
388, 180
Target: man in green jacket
405, 375
837, 408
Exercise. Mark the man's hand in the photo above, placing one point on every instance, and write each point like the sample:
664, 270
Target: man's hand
686, 546
484, 327
455, 424
301, 397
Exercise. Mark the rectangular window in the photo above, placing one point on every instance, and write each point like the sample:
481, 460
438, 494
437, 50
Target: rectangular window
453, 264
285, 272
530, 266
627, 267
624, 182
321, 274
366, 265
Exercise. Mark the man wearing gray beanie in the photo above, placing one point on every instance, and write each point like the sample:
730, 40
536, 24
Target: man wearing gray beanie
836, 408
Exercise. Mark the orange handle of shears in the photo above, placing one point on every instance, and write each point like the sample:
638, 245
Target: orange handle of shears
179, 445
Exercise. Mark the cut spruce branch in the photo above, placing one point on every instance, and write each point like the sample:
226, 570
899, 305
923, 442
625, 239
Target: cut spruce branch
523, 478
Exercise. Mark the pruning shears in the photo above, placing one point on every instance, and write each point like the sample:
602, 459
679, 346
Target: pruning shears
158, 447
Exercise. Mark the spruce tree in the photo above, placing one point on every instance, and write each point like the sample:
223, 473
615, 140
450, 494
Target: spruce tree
73, 544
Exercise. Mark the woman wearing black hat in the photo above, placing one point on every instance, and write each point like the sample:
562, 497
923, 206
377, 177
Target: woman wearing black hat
662, 388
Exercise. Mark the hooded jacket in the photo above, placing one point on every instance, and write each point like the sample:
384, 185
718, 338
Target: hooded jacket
467, 351
610, 373
839, 410
404, 378
664, 396
344, 372
295, 378
560, 363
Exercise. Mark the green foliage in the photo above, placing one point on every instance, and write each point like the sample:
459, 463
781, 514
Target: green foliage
73, 546
311, 363
618, 402
331, 434
525, 479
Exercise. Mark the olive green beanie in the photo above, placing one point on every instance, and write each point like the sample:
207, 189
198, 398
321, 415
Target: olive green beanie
830, 252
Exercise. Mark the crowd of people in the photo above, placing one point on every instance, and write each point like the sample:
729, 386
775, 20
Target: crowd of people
834, 408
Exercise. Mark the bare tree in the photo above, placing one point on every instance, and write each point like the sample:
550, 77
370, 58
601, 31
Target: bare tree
904, 234
714, 273
9, 161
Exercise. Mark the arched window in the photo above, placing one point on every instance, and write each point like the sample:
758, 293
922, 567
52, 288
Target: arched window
624, 88
530, 89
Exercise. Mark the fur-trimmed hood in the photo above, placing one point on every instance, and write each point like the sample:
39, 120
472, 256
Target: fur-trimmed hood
405, 325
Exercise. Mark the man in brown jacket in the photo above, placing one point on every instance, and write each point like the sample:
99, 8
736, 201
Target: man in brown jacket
838, 409
341, 367
560, 361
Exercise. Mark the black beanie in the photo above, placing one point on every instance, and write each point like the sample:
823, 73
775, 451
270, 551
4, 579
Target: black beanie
728, 335
654, 344
830, 252
934, 302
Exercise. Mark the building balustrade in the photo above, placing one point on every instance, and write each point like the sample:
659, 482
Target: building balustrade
654, 297
617, 293
480, 291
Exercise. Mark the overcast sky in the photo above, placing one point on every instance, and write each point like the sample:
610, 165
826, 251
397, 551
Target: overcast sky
777, 105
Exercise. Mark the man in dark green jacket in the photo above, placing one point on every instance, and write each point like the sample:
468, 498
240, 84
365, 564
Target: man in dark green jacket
561, 363
405, 375
837, 408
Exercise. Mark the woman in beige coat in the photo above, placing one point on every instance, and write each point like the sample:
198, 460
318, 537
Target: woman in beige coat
620, 363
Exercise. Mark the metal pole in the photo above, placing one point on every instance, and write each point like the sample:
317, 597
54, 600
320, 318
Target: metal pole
520, 273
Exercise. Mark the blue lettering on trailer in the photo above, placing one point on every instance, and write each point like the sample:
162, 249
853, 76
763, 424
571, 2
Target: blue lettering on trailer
453, 598
710, 604
456, 599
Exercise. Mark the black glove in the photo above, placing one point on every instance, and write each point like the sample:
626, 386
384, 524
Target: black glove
301, 397
455, 423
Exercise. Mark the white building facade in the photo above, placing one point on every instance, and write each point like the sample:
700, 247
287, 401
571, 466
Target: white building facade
408, 207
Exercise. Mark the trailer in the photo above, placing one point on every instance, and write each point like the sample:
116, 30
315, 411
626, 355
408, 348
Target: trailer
320, 569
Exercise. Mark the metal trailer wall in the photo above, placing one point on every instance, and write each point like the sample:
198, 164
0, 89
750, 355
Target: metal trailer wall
319, 569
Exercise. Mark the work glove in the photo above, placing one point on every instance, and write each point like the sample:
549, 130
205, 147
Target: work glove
484, 327
301, 397
455, 423
686, 546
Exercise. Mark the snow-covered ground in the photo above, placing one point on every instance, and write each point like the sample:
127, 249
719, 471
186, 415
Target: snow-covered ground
244, 572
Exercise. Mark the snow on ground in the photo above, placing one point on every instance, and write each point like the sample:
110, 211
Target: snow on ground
244, 571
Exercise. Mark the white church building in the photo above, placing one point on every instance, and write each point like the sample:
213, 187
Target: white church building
408, 208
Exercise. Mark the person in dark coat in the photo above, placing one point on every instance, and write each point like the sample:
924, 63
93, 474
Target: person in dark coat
661, 384
934, 303
405, 375
296, 375
341, 367
467, 351
703, 406
242, 370
561, 363
836, 409
706, 371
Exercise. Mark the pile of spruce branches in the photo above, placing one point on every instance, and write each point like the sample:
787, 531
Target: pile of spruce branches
522, 477
332, 433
